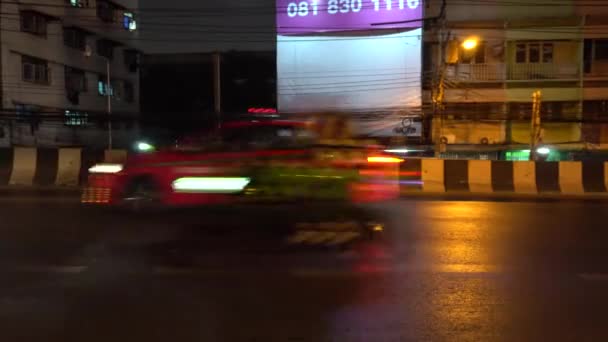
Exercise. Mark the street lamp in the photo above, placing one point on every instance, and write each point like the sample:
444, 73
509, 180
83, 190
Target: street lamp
88, 53
470, 43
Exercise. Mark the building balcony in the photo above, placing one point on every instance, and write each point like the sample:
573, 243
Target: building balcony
543, 71
476, 73
499, 72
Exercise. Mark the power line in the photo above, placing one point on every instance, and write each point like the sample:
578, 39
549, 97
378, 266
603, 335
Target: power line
365, 86
273, 9
188, 40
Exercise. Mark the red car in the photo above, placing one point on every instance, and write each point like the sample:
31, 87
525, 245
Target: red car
275, 160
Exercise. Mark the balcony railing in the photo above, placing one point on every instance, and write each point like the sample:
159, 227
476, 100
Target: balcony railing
477, 72
515, 72
538, 71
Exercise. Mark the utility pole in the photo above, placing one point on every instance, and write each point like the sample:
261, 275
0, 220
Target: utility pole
439, 86
88, 52
217, 87
535, 128
109, 92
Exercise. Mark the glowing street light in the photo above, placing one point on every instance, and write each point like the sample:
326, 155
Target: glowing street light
470, 43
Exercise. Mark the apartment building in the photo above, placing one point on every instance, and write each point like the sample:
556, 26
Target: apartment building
560, 49
55, 60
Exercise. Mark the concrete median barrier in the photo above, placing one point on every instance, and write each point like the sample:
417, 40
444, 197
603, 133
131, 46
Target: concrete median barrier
24, 167
442, 176
50, 167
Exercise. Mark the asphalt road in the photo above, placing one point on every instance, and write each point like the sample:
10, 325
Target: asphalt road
442, 271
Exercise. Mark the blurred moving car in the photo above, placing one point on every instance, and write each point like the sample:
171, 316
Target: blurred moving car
247, 161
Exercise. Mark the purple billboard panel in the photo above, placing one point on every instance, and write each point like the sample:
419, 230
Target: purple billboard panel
308, 16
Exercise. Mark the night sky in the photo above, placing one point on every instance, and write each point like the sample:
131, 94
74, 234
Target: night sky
180, 26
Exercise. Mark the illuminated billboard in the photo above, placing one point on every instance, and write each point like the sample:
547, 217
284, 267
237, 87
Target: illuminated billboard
346, 15
372, 74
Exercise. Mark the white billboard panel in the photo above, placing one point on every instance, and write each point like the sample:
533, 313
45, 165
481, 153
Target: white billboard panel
375, 77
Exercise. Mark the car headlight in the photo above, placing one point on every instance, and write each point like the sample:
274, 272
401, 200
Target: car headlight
106, 168
543, 150
143, 146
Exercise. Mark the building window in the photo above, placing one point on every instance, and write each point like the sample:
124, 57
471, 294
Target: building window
129, 92
116, 90
75, 38
480, 53
601, 49
102, 86
75, 79
105, 48
73, 118
595, 108
75, 83
29, 114
105, 11
131, 60
520, 53
587, 55
22, 109
34, 23
534, 53
128, 21
547, 53
34, 70
78, 3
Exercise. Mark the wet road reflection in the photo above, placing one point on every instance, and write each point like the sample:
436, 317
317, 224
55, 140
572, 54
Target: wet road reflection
442, 271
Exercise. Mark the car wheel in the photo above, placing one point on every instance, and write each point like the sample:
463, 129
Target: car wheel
142, 195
